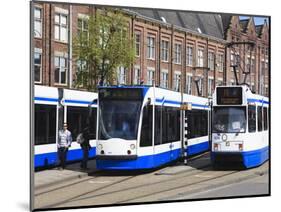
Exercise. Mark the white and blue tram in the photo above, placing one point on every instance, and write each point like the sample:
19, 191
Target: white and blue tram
52, 107
239, 127
140, 127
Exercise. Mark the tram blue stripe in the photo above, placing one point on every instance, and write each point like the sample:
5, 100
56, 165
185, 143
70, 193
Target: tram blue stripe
78, 102
51, 158
258, 100
250, 158
46, 99
150, 161
179, 103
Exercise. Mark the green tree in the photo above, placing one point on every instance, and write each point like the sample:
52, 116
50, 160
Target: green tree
105, 45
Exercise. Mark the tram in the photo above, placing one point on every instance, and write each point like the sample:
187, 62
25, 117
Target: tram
53, 107
141, 127
239, 127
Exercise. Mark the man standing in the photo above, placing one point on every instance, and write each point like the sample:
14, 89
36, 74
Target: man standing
85, 145
64, 143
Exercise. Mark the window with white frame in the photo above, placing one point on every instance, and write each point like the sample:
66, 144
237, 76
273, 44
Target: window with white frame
150, 47
164, 79
61, 31
219, 82
83, 27
200, 85
189, 55
121, 75
137, 43
211, 60
137, 76
37, 65
200, 57
164, 50
177, 56
150, 76
37, 22
177, 78
61, 70
210, 86
220, 62
188, 84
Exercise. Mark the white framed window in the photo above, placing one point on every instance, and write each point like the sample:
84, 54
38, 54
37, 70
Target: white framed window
201, 85
177, 79
38, 65
61, 29
200, 57
211, 60
150, 47
220, 62
137, 76
219, 82
83, 27
37, 22
189, 56
138, 43
61, 69
210, 86
165, 50
164, 79
188, 84
121, 75
177, 52
150, 76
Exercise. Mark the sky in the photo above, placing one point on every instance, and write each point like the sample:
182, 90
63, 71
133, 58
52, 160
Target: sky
258, 20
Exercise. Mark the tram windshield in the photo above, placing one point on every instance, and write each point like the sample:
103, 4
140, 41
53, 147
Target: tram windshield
119, 119
229, 119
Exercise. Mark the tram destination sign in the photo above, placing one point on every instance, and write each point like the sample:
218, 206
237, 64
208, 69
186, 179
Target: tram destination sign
229, 95
120, 93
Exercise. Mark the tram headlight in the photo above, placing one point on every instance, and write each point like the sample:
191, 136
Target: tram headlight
100, 146
132, 146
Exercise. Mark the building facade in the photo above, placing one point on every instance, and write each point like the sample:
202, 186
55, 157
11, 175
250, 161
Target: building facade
174, 49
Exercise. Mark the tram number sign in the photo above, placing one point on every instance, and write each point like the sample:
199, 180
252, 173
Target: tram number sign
229, 96
120, 93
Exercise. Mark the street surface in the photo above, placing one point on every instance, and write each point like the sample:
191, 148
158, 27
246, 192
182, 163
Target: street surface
174, 182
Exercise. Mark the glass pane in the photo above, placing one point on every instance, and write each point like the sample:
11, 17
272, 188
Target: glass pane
37, 58
80, 23
57, 75
57, 64
63, 34
37, 73
37, 29
63, 77
62, 62
57, 32
37, 13
63, 19
57, 19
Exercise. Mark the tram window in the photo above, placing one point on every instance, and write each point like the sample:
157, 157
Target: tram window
170, 124
77, 119
158, 125
265, 121
259, 118
93, 123
45, 124
164, 125
252, 118
197, 123
146, 128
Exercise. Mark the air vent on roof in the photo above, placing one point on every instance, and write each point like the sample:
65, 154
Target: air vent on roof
199, 30
163, 19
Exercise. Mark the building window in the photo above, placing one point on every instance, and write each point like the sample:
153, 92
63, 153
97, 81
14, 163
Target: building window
83, 29
121, 75
188, 84
177, 56
137, 43
210, 86
37, 22
200, 85
177, 79
137, 76
211, 61
164, 79
61, 70
150, 47
189, 55
150, 76
164, 51
220, 62
61, 32
200, 58
37, 66
219, 82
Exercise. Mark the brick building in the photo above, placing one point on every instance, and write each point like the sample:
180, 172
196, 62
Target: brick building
173, 48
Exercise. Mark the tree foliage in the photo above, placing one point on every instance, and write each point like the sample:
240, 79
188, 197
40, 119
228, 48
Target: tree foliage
105, 45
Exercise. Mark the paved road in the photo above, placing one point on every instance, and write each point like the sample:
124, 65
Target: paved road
197, 180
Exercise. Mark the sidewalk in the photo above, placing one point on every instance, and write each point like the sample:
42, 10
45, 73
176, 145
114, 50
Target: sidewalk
53, 176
